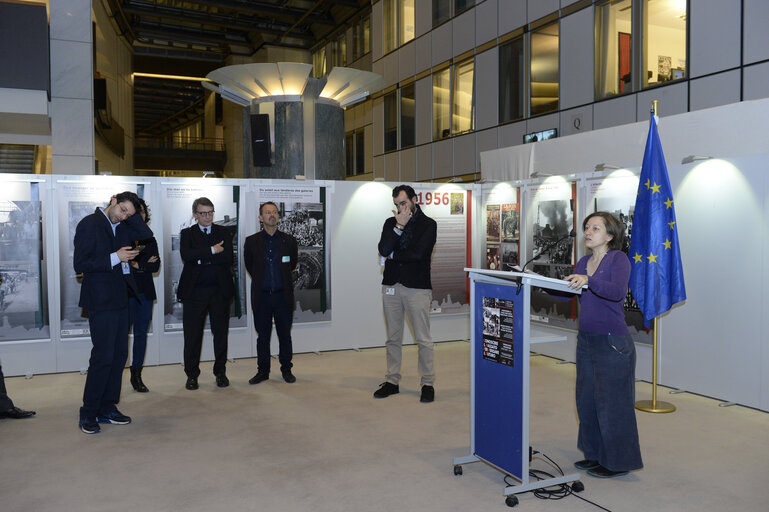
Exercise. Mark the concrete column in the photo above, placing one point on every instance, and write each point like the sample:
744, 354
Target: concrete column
72, 131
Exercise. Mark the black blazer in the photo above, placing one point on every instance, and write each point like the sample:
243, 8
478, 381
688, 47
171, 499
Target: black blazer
254, 258
410, 265
104, 287
194, 248
143, 273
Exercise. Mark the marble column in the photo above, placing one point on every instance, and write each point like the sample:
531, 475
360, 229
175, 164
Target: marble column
72, 130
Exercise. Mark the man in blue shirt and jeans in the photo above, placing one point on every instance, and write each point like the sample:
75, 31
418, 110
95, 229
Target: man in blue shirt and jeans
271, 257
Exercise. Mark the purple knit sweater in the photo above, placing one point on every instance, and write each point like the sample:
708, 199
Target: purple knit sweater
602, 303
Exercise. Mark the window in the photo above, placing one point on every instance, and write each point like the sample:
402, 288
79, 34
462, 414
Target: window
389, 22
319, 62
355, 156
390, 122
441, 11
463, 113
659, 42
349, 153
544, 70
406, 21
664, 41
408, 112
442, 104
511, 80
341, 50
613, 48
366, 35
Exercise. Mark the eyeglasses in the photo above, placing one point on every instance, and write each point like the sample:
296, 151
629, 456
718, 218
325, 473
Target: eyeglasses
209, 213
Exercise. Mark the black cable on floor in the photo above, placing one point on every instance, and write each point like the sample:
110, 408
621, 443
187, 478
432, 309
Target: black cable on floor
553, 492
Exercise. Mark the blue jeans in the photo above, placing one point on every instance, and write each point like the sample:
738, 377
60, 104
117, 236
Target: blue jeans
605, 395
140, 311
273, 306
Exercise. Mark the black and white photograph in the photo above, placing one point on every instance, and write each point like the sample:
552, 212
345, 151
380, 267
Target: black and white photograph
491, 321
177, 215
511, 223
303, 215
553, 221
492, 222
23, 312
551, 217
509, 256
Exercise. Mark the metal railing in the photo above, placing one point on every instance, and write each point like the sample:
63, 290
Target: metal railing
180, 143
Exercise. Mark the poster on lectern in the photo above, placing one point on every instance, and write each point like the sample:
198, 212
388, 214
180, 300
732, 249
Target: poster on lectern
23, 283
616, 194
77, 199
302, 212
449, 206
177, 215
550, 217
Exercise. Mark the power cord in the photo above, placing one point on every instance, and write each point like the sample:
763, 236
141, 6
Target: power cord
553, 492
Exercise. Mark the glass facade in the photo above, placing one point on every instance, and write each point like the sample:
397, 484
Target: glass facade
613, 48
408, 116
463, 106
442, 104
544, 70
511, 80
390, 122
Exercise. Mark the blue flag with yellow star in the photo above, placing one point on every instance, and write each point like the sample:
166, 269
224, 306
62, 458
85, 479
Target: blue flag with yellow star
657, 276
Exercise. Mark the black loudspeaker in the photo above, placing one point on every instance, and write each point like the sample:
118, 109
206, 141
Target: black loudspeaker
260, 139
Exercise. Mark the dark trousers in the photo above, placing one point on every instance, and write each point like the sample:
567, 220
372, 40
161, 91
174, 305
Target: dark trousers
273, 306
140, 314
605, 393
109, 335
206, 300
5, 402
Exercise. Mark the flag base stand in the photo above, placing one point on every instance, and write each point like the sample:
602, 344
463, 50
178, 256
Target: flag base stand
654, 406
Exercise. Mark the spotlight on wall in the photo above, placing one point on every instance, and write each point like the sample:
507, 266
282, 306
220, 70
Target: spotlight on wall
540, 174
206, 174
455, 180
602, 167
692, 158
487, 180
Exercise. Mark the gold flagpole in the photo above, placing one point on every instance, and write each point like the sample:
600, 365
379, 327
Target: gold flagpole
654, 405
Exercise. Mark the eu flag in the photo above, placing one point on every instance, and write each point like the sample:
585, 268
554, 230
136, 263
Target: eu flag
657, 277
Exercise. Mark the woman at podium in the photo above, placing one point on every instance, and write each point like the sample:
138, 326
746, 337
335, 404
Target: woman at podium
606, 358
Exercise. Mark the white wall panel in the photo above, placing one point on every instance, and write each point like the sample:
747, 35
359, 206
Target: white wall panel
512, 15
714, 90
463, 29
714, 36
486, 21
614, 112
441, 44
756, 36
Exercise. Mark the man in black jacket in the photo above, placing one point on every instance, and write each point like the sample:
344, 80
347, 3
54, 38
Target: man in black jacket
206, 285
271, 257
101, 255
406, 247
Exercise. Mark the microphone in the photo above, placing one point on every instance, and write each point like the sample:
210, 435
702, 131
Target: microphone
549, 248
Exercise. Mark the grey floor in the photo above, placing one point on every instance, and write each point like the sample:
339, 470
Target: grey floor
324, 444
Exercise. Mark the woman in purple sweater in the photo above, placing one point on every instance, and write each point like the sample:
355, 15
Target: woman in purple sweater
608, 434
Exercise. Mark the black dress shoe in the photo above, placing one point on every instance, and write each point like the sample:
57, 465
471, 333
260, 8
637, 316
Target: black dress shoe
136, 380
288, 376
16, 413
586, 464
386, 389
259, 377
601, 472
428, 394
222, 381
192, 383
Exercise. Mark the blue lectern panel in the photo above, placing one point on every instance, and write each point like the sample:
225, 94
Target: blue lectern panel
498, 346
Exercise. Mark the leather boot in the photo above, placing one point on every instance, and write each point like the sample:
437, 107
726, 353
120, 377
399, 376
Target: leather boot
136, 380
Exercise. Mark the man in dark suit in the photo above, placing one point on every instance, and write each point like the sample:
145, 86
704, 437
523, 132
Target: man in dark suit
206, 285
102, 253
271, 257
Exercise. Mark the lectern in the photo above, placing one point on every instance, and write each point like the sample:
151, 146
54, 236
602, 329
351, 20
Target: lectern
500, 340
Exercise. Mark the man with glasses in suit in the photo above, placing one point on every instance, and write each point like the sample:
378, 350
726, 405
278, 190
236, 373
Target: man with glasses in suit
205, 286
